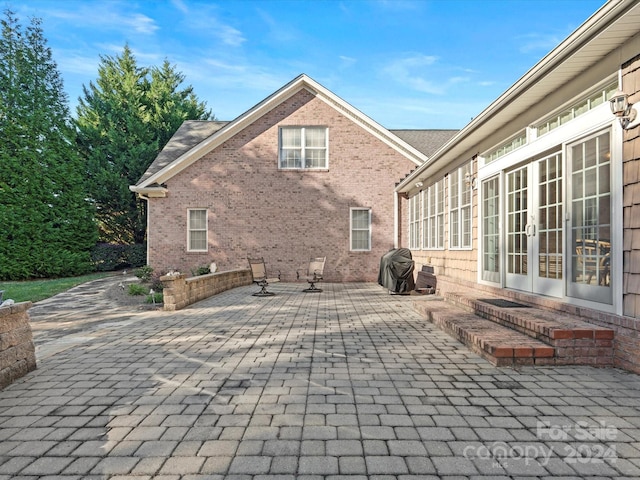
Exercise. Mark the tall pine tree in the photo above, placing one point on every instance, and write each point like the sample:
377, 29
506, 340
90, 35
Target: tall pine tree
124, 119
46, 222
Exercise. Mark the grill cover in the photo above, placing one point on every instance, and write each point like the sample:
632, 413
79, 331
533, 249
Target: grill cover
396, 271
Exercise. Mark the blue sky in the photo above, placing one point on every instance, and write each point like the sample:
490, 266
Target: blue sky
405, 63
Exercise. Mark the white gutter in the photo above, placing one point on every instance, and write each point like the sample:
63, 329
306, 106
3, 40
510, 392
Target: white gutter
608, 13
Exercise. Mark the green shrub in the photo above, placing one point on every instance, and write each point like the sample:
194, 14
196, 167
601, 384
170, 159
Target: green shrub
200, 271
156, 284
137, 254
107, 257
137, 289
155, 298
144, 273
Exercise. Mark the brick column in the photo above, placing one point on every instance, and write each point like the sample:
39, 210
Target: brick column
174, 292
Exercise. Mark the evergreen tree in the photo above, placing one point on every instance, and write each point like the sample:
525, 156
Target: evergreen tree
46, 221
124, 119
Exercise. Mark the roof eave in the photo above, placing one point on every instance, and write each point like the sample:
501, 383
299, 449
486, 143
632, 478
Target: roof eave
602, 18
153, 191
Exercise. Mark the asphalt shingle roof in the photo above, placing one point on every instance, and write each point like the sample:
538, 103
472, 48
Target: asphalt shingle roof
425, 141
190, 134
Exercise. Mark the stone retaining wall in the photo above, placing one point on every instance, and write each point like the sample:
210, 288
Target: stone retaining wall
180, 291
17, 351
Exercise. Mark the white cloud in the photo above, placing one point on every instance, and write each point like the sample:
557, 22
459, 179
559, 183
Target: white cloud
536, 42
347, 61
180, 5
103, 16
413, 71
140, 23
72, 62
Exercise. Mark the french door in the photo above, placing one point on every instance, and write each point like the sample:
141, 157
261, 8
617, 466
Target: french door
546, 245
534, 237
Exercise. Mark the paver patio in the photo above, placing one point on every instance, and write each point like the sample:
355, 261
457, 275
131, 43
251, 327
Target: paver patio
348, 383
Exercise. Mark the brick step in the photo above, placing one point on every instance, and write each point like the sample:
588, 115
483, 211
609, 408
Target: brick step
543, 338
499, 345
552, 327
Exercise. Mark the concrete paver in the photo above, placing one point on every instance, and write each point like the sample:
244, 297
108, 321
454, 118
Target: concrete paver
349, 383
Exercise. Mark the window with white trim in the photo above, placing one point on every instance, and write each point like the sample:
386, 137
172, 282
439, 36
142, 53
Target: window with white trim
585, 104
460, 208
433, 216
360, 229
303, 148
414, 221
197, 230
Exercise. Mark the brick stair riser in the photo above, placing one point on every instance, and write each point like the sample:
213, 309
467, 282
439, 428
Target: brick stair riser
536, 329
499, 356
579, 347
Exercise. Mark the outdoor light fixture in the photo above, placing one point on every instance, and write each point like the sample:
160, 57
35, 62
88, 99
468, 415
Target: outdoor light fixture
419, 184
624, 110
470, 180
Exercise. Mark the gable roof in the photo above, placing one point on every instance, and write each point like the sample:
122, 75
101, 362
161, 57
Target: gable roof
597, 42
181, 155
188, 135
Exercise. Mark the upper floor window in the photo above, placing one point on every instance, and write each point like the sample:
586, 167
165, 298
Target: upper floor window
197, 230
361, 229
460, 208
304, 147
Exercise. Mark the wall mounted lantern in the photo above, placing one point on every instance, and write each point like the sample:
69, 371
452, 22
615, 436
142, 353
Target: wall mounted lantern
624, 110
470, 181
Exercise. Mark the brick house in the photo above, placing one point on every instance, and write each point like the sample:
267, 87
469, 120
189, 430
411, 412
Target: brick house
538, 198
301, 174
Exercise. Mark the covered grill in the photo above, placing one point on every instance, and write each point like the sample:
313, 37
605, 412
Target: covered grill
396, 271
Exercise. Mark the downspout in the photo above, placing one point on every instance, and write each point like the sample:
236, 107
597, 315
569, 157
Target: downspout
395, 220
146, 199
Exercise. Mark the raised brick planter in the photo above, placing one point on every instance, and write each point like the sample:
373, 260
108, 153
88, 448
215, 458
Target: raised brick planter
180, 291
17, 351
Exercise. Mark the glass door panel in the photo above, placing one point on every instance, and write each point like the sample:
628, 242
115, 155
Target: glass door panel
491, 230
590, 238
519, 230
549, 244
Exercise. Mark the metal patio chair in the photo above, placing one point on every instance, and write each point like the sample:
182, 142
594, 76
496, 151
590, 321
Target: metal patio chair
260, 277
314, 274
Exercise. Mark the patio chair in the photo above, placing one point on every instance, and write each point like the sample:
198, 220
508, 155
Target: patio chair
594, 259
313, 274
260, 277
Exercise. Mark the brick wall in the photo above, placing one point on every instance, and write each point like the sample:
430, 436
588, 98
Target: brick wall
284, 216
17, 351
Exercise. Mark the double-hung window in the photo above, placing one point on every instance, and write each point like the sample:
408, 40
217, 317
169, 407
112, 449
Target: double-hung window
433, 216
414, 221
360, 229
304, 148
197, 230
460, 208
